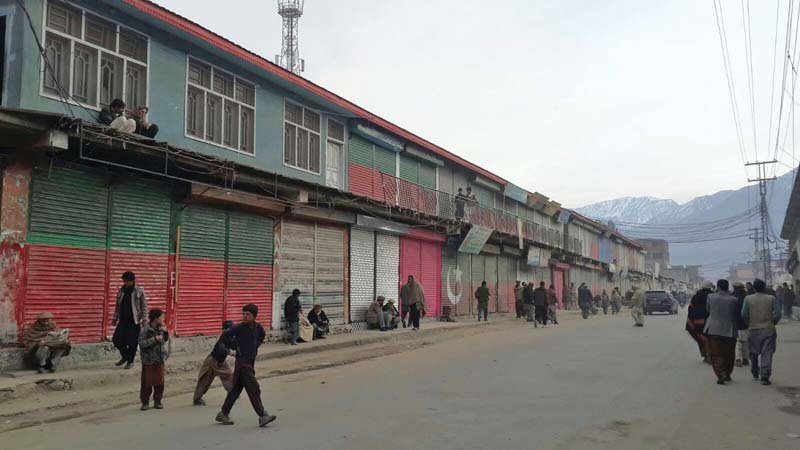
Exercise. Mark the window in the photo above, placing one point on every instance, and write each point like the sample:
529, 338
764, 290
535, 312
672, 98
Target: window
92, 60
301, 138
333, 154
220, 108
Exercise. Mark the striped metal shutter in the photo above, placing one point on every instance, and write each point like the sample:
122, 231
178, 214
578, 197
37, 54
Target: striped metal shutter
201, 273
492, 281
329, 272
465, 266
427, 175
387, 266
409, 260
431, 276
67, 242
478, 275
249, 268
362, 273
297, 262
409, 169
449, 289
485, 196
360, 166
385, 188
141, 228
386, 161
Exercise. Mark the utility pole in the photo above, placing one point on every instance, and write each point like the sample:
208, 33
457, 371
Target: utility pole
763, 238
756, 251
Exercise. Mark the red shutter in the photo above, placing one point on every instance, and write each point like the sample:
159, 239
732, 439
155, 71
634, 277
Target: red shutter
431, 276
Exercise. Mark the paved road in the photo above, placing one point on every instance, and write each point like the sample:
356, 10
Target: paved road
592, 384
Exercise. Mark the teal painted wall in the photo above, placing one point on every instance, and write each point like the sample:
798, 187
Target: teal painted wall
167, 92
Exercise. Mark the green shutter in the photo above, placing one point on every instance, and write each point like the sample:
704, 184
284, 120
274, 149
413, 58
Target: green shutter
69, 207
409, 169
140, 217
485, 196
203, 232
427, 175
360, 151
385, 161
250, 238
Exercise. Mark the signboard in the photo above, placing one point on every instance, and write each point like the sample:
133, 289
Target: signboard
534, 257
563, 216
475, 240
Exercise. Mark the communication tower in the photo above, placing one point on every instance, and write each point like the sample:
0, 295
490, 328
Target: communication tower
289, 59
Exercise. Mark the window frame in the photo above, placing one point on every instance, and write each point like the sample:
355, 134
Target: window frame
224, 98
342, 156
321, 141
100, 49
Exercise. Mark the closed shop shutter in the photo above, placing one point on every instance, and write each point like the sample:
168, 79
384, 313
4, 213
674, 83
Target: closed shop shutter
66, 272
249, 269
329, 272
431, 276
362, 273
409, 194
478, 275
409, 259
504, 291
465, 266
385, 187
427, 179
387, 266
201, 277
485, 196
360, 167
141, 227
450, 282
297, 261
492, 281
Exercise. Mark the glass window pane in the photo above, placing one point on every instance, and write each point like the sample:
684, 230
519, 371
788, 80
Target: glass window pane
294, 113
247, 132
199, 74
195, 102
84, 74
101, 32
335, 130
135, 85
313, 152
302, 149
214, 118
290, 144
132, 45
245, 93
230, 125
223, 83
56, 77
311, 120
110, 79
64, 18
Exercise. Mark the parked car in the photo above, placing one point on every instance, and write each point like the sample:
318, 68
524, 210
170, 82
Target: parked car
660, 301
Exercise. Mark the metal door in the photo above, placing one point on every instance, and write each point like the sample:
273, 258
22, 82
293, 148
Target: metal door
387, 266
333, 164
329, 272
464, 267
478, 276
249, 265
297, 261
362, 273
431, 275
492, 281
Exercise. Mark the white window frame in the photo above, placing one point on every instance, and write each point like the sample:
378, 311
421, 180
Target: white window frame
342, 157
224, 97
283, 141
72, 40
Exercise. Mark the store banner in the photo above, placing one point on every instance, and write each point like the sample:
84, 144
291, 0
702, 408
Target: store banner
475, 240
534, 257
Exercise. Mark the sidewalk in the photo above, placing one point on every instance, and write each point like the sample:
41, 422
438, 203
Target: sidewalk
28, 398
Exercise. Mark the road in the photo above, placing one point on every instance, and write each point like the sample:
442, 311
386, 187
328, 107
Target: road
594, 384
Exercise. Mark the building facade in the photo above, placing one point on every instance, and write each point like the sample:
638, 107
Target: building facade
258, 182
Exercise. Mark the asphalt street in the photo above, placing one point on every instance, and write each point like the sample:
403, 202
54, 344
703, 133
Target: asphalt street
593, 384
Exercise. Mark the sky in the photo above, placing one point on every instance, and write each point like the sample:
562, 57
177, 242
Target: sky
580, 100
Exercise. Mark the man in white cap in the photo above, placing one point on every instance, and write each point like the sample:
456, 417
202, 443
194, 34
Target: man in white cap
45, 343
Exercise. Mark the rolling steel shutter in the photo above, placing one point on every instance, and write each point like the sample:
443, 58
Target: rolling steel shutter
329, 272
67, 242
448, 294
478, 276
464, 262
360, 167
201, 274
362, 273
297, 262
431, 276
385, 187
249, 269
141, 226
387, 266
409, 260
492, 281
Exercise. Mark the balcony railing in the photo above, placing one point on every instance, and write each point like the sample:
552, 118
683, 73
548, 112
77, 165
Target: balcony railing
419, 199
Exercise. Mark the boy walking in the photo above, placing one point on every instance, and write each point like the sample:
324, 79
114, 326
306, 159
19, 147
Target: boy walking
152, 345
248, 335
216, 366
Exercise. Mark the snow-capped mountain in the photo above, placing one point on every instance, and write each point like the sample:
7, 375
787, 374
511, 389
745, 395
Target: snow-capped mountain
716, 255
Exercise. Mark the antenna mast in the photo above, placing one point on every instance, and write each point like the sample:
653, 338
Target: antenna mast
289, 59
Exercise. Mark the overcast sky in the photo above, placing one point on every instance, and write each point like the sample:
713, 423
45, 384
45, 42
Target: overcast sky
580, 100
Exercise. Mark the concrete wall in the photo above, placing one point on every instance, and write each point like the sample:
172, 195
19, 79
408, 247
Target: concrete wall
13, 231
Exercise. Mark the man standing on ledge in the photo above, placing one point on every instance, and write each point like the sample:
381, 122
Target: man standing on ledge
248, 335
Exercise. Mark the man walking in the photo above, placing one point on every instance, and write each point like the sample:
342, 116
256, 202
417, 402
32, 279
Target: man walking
743, 339
761, 312
291, 312
519, 304
616, 301
482, 294
637, 307
413, 301
605, 301
720, 329
153, 340
584, 300
130, 315
552, 304
249, 335
527, 299
540, 305
215, 366
788, 301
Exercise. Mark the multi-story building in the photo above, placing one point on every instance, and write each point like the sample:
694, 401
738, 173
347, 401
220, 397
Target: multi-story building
258, 182
657, 257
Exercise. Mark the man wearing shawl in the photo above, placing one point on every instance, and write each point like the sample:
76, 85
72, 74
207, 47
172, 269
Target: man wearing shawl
45, 343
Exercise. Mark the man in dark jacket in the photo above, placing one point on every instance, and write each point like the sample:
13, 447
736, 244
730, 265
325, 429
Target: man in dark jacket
482, 294
249, 335
152, 341
130, 316
743, 340
115, 116
291, 312
318, 320
721, 330
540, 305
527, 299
696, 320
585, 300
216, 366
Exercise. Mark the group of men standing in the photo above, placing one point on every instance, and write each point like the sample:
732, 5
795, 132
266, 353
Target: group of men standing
730, 326
538, 305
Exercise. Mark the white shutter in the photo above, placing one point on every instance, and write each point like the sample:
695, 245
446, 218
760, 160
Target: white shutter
362, 273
